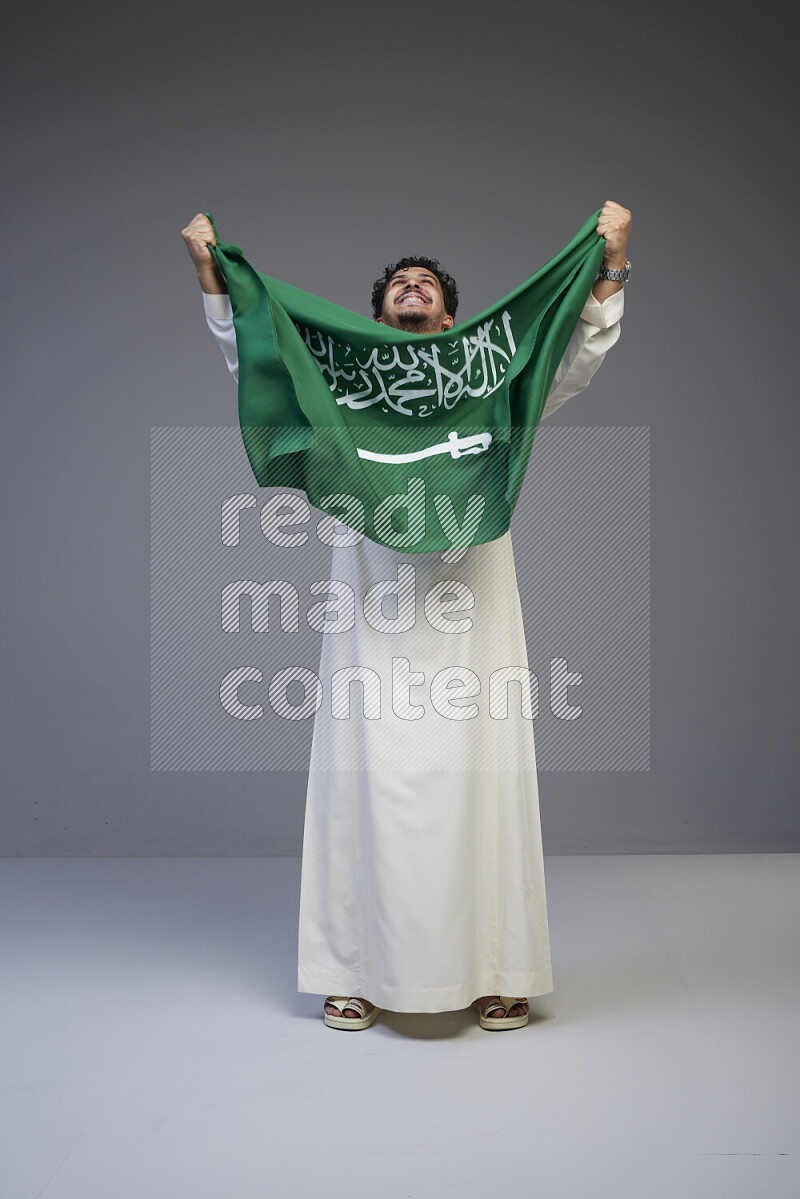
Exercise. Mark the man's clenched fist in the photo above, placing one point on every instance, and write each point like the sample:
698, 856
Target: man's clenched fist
198, 235
614, 224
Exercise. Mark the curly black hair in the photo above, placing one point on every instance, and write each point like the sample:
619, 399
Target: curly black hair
448, 283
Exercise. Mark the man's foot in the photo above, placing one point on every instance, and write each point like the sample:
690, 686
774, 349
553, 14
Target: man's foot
519, 1009
349, 1012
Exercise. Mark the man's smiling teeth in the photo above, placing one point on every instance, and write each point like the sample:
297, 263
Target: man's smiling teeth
412, 296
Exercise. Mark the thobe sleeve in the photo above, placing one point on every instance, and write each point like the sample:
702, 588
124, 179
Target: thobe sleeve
219, 315
597, 330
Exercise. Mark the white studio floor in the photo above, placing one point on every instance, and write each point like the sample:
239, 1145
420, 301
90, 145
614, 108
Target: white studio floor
155, 1045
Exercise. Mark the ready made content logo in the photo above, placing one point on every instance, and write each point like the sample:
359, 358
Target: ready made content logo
268, 616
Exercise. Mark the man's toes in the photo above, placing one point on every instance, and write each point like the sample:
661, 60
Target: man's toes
334, 1011
518, 1009
349, 1012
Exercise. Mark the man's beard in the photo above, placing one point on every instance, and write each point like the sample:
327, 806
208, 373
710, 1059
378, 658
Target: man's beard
415, 320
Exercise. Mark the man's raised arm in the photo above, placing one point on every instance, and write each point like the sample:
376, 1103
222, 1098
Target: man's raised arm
198, 235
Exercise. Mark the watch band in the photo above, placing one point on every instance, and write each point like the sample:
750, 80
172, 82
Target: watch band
622, 276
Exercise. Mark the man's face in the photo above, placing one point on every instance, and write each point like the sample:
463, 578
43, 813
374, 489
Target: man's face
414, 301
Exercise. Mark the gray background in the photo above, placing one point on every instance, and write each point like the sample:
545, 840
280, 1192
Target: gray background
328, 140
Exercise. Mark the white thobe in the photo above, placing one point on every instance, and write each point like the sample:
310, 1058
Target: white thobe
422, 879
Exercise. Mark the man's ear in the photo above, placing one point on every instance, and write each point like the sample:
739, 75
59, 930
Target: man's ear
379, 320
447, 321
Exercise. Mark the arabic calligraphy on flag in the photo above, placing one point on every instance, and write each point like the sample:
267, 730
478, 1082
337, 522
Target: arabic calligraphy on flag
415, 380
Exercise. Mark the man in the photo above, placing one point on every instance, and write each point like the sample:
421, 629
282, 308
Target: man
420, 882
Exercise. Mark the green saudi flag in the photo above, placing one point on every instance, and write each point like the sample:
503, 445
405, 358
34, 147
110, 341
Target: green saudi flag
420, 441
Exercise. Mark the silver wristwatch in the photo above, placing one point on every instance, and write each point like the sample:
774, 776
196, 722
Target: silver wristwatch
622, 276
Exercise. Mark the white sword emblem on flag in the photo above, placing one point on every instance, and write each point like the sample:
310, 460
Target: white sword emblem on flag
476, 443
